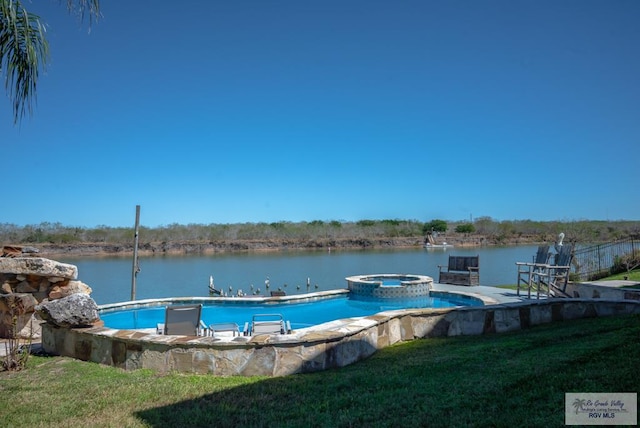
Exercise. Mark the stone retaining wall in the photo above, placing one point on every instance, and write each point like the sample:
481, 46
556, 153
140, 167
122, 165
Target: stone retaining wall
598, 291
330, 345
26, 282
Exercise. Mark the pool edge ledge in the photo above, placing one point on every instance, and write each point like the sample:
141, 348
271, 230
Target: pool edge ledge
312, 349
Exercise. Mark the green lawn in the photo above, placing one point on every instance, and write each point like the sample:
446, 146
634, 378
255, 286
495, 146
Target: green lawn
634, 275
506, 380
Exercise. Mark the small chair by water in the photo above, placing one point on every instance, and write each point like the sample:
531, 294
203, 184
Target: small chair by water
267, 324
183, 320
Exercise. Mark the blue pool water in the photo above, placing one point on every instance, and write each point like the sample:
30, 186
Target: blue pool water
389, 281
300, 315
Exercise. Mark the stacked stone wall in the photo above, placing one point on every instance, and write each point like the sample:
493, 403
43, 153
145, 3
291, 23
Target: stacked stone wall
599, 291
25, 282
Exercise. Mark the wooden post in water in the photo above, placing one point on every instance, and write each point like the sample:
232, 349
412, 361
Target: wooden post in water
135, 268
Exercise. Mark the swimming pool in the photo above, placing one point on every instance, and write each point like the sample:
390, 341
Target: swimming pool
300, 314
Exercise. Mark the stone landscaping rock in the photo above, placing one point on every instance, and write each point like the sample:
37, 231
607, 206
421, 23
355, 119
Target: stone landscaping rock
76, 310
37, 266
19, 305
5, 288
72, 287
42, 280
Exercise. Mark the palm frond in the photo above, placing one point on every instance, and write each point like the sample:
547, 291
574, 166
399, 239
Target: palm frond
24, 50
89, 9
23, 53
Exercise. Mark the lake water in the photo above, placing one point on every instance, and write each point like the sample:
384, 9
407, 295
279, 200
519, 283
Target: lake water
187, 276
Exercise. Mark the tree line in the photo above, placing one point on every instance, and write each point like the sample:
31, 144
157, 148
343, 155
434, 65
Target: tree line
497, 231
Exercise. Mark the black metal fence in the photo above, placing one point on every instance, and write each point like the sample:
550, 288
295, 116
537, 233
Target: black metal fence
592, 263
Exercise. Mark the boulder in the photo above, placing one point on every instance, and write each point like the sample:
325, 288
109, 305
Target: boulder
13, 251
5, 288
72, 287
20, 306
76, 310
26, 287
37, 266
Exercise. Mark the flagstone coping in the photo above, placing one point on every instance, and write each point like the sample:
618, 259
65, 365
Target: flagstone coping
329, 345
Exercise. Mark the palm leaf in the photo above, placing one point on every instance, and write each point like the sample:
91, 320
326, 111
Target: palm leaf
24, 50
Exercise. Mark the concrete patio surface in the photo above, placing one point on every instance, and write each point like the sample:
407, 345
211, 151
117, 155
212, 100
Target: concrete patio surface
617, 283
500, 295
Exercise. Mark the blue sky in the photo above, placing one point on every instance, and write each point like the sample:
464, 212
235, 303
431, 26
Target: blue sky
261, 111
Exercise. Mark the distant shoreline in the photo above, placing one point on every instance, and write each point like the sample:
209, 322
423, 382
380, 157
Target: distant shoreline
94, 249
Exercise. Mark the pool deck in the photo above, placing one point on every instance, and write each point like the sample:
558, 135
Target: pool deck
500, 295
490, 295
617, 283
495, 294
333, 344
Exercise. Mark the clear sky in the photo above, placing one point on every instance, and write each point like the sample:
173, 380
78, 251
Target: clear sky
287, 110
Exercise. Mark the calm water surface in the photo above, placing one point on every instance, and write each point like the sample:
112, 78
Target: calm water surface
300, 315
186, 276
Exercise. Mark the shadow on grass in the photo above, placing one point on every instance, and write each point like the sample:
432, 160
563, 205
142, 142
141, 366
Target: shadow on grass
511, 379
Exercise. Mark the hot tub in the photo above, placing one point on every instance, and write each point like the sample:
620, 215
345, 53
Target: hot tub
389, 285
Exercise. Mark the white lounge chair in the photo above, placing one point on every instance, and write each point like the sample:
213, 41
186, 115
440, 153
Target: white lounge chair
267, 324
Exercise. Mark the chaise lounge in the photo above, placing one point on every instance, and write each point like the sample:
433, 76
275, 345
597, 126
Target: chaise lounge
183, 320
267, 324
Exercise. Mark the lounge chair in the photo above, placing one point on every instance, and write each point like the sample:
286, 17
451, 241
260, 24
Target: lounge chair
183, 320
224, 327
526, 270
267, 324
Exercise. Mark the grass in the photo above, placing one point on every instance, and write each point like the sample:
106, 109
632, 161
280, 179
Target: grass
634, 275
505, 380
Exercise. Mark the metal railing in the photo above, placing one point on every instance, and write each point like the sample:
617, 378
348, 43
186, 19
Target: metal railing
592, 263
